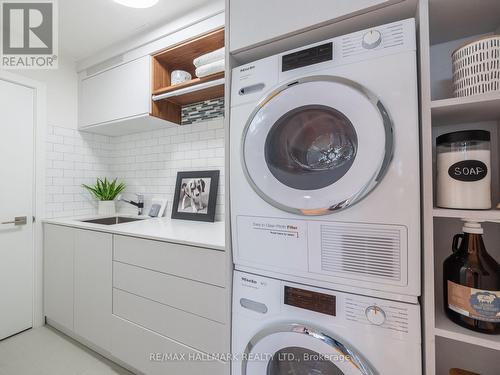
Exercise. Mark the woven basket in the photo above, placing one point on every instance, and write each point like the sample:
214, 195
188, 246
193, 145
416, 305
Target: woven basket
476, 67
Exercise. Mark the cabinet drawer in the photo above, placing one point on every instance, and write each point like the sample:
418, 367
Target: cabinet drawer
192, 330
135, 346
195, 263
198, 298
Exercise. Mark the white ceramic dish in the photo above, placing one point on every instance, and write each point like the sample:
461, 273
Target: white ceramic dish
179, 76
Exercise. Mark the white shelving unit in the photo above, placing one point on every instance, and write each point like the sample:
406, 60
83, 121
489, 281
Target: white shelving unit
447, 329
479, 215
484, 107
445, 25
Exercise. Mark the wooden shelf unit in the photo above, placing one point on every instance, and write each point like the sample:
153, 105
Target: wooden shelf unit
180, 57
443, 26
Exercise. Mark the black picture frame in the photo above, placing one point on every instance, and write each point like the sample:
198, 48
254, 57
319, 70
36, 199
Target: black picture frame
204, 203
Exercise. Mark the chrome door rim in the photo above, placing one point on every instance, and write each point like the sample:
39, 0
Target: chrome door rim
345, 349
357, 196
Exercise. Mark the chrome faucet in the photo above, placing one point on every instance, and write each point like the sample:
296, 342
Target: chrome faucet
139, 204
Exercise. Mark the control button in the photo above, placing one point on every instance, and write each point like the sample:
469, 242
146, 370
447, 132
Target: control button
375, 315
253, 305
371, 39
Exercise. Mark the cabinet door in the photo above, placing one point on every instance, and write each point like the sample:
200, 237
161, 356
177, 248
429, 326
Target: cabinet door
277, 18
93, 286
117, 93
58, 274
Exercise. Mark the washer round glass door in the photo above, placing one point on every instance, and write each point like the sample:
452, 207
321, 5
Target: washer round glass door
317, 145
298, 349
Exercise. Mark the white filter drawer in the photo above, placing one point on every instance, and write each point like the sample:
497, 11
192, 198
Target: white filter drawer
372, 253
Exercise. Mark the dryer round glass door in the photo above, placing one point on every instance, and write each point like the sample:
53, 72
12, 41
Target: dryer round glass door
297, 349
317, 145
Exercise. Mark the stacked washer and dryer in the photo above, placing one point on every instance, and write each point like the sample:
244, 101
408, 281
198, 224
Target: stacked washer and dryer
325, 208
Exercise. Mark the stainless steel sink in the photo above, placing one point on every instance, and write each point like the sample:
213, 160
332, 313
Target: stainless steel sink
112, 220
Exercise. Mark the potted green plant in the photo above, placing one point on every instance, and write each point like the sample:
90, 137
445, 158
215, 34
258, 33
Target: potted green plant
106, 191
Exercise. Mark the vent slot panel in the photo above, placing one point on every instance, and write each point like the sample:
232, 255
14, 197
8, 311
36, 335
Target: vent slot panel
396, 316
363, 252
392, 36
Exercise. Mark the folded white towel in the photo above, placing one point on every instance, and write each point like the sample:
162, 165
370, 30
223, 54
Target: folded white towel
210, 57
212, 68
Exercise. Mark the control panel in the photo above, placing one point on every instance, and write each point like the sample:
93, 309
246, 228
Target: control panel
383, 314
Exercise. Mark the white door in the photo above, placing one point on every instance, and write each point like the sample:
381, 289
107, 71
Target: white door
317, 145
299, 349
16, 207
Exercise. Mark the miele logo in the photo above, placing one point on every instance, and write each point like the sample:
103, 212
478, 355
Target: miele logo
248, 280
247, 68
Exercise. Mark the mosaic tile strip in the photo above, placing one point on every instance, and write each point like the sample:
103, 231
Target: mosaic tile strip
202, 111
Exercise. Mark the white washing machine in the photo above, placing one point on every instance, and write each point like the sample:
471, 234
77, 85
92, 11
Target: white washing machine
282, 328
324, 170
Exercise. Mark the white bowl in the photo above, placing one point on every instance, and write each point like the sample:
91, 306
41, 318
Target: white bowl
179, 76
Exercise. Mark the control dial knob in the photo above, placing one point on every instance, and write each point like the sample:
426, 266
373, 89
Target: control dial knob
375, 315
371, 39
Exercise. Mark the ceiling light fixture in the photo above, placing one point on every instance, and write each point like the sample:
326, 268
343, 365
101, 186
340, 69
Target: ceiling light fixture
137, 3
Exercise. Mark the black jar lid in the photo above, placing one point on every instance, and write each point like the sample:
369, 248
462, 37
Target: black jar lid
464, 136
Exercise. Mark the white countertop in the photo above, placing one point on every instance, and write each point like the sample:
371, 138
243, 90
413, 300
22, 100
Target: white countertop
185, 232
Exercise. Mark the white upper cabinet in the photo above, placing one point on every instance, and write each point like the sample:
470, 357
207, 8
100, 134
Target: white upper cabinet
116, 94
259, 21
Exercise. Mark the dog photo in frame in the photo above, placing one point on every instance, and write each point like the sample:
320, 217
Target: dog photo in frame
195, 195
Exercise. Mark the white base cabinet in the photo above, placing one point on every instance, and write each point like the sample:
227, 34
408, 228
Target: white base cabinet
78, 274
93, 295
138, 301
59, 254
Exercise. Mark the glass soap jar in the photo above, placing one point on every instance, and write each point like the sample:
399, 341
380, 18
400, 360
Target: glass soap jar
464, 170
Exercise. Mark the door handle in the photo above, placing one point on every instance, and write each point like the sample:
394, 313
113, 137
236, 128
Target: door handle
19, 220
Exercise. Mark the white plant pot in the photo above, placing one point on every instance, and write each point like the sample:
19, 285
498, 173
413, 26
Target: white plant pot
106, 208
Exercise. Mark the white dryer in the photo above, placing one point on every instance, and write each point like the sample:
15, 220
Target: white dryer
286, 328
324, 169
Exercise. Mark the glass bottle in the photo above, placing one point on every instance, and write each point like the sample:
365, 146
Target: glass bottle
472, 282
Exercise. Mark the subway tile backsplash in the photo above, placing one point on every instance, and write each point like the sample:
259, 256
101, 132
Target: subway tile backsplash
147, 162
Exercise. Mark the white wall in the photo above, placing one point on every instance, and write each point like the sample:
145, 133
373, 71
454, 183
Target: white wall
73, 159
62, 91
147, 162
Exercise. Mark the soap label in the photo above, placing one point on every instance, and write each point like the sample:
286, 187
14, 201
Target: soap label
478, 304
468, 170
